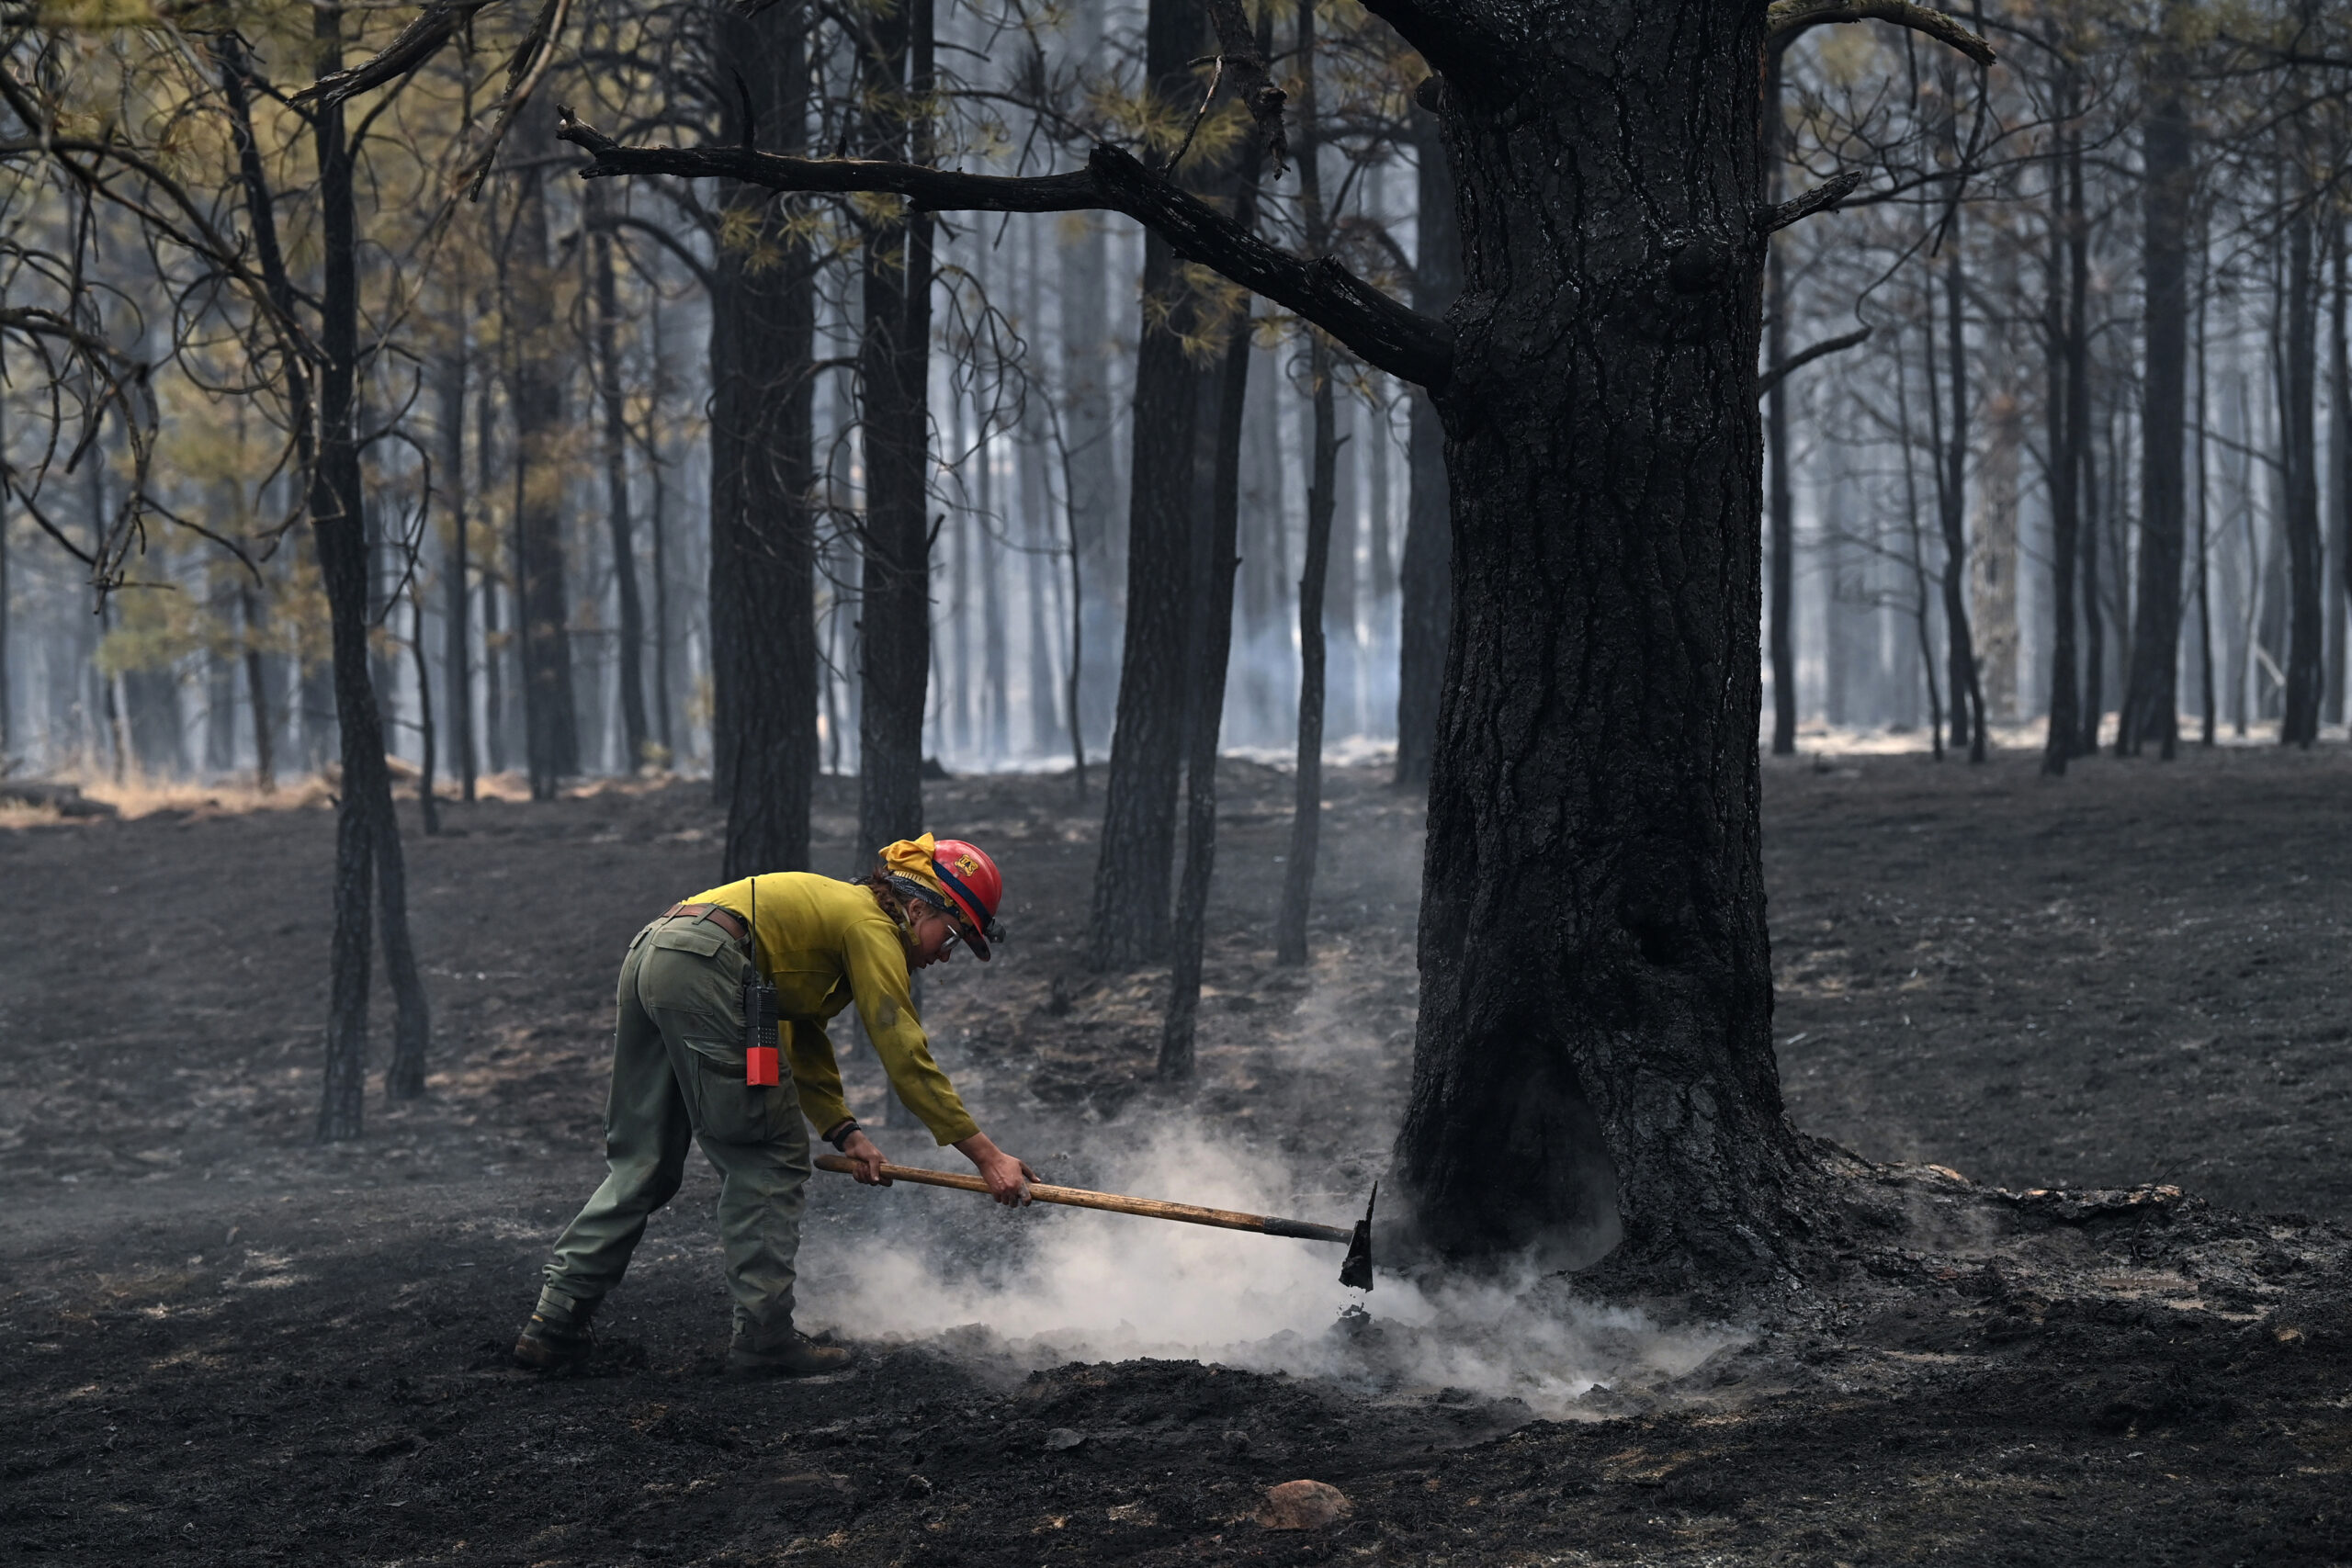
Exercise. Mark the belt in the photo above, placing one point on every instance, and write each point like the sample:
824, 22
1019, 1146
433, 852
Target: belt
726, 919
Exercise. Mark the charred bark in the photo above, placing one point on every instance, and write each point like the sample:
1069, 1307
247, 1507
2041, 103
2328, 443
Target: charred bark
457, 640
2067, 413
1783, 546
894, 361
1967, 691
1128, 920
1212, 649
542, 609
1593, 1055
2152, 696
2299, 448
1424, 578
762, 539
1322, 498
618, 522
2337, 595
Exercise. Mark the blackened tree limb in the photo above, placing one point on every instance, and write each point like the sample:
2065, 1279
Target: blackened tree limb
1787, 18
417, 43
1380, 331
1240, 58
1820, 198
1802, 358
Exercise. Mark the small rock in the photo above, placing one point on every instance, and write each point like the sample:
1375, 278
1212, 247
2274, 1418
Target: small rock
1237, 1442
915, 1486
1062, 1437
1304, 1506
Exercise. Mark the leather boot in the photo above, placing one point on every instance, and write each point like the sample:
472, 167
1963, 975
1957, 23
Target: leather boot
787, 1353
556, 1340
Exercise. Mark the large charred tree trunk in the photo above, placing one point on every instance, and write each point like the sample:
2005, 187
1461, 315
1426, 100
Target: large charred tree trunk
2152, 696
1425, 577
763, 537
894, 364
2299, 447
1594, 1053
1128, 920
543, 615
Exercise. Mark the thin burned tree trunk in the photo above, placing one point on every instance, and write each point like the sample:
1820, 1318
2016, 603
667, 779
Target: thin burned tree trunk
1967, 694
2152, 697
428, 803
550, 710
2299, 447
1425, 576
257, 688
1919, 609
631, 630
1134, 869
2337, 595
1210, 656
368, 846
2094, 613
657, 522
894, 374
367, 830
763, 566
8, 711
456, 641
1307, 797
1783, 546
2204, 539
2071, 440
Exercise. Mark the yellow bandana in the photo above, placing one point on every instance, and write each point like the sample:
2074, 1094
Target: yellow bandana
911, 858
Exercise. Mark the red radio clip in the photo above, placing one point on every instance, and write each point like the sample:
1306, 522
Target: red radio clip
760, 1066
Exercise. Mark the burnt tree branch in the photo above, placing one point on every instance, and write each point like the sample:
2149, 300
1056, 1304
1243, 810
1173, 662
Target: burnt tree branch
1240, 57
1802, 358
417, 43
1820, 198
1377, 329
1786, 19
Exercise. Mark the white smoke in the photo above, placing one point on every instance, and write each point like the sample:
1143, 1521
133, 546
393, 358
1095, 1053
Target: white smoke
1099, 1287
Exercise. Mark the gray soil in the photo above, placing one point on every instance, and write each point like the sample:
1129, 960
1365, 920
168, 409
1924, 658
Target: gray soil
222, 1344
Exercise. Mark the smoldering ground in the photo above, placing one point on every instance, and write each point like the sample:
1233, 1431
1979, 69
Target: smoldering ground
222, 1344
1047, 1286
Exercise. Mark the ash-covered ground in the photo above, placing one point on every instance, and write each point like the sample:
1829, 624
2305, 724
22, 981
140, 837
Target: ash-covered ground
220, 1343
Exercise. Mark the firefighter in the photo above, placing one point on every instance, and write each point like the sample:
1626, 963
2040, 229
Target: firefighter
680, 1067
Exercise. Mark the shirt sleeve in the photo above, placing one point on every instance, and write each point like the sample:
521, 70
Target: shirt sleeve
816, 1074
877, 978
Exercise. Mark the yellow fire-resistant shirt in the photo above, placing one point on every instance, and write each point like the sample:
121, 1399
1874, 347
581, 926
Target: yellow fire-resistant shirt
824, 943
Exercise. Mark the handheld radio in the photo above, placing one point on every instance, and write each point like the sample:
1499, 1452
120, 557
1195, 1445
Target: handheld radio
761, 1068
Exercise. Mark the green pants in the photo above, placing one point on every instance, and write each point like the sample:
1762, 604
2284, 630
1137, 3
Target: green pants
678, 1067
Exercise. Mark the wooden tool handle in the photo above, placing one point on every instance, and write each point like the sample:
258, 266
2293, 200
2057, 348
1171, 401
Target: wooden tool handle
1079, 1198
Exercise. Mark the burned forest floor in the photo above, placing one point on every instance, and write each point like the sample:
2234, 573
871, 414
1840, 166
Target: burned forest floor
2078, 1053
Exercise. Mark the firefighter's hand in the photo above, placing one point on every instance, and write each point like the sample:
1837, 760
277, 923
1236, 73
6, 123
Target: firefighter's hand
860, 1151
1008, 1177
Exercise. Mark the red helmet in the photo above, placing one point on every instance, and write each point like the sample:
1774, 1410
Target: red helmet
974, 886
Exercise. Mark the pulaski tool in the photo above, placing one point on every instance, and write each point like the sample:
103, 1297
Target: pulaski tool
1355, 1272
